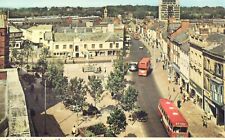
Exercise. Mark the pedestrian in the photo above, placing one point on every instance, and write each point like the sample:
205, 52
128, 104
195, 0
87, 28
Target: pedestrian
163, 67
181, 90
174, 89
204, 121
178, 103
184, 97
74, 130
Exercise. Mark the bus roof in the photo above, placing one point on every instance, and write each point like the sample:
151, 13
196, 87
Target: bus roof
174, 115
144, 60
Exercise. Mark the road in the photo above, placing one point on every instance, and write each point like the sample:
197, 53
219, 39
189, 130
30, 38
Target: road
149, 94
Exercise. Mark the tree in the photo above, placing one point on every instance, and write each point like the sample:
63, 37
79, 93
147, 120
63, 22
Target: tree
115, 83
44, 52
129, 99
42, 66
95, 88
120, 66
117, 121
76, 94
15, 54
56, 79
27, 50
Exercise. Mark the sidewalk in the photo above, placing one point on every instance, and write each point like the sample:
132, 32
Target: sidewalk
190, 110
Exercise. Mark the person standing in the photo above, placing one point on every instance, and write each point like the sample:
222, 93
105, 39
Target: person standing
74, 130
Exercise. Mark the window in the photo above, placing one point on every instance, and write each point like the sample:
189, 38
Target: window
117, 45
71, 46
85, 46
100, 45
76, 48
92, 46
56, 47
110, 45
64, 46
218, 69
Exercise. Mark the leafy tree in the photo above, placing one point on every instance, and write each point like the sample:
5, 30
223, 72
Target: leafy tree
120, 66
115, 83
77, 92
109, 133
15, 54
56, 79
20, 58
129, 99
117, 121
95, 88
41, 66
44, 52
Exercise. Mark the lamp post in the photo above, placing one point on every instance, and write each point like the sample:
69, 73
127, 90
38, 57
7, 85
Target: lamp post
45, 130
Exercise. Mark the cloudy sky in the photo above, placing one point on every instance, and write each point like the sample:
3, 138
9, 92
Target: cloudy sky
100, 3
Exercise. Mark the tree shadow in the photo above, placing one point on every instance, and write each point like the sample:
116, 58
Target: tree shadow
131, 135
108, 108
52, 127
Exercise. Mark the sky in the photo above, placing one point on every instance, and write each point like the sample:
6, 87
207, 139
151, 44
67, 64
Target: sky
101, 3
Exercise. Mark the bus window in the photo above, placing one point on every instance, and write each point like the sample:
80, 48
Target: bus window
176, 129
180, 129
183, 129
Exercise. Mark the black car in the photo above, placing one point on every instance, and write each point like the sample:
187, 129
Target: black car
133, 66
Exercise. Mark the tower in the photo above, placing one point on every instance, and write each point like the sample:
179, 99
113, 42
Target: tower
105, 13
168, 9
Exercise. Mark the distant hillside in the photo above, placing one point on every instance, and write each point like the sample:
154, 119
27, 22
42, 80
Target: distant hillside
139, 11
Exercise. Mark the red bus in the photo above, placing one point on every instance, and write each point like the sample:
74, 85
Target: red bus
144, 66
172, 119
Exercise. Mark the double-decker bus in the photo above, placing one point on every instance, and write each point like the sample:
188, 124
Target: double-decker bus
172, 119
144, 66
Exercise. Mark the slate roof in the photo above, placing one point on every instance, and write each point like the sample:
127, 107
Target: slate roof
185, 47
218, 38
219, 50
182, 37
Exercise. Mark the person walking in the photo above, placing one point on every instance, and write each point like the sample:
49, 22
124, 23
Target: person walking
74, 130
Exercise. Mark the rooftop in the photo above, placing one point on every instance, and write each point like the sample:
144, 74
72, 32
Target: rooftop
218, 38
2, 99
185, 47
41, 27
218, 50
13, 29
181, 38
17, 109
82, 36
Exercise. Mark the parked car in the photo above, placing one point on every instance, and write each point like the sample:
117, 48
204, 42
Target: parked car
133, 66
141, 47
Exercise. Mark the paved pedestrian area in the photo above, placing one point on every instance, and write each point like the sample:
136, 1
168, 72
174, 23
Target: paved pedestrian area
59, 120
192, 112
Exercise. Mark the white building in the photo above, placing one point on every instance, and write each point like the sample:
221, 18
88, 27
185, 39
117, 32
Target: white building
35, 34
83, 44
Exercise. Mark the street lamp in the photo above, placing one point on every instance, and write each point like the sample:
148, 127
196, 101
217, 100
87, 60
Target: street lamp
45, 130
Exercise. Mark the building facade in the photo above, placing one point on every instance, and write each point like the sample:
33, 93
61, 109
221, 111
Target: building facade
15, 37
4, 42
169, 8
196, 69
214, 68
